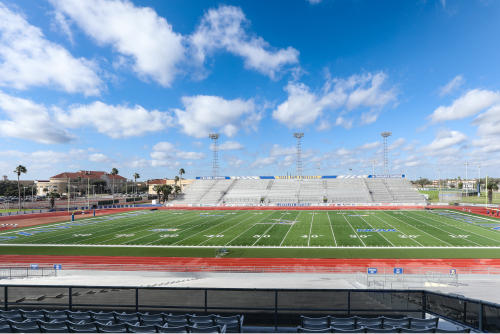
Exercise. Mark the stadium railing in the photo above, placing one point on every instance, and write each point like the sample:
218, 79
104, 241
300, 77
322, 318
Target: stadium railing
278, 307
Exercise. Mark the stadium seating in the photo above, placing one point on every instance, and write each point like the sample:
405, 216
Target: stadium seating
287, 191
371, 325
114, 322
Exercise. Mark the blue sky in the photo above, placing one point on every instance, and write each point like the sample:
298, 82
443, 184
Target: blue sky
139, 85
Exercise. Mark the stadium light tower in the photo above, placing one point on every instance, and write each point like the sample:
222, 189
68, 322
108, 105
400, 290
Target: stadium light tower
215, 170
299, 153
374, 161
386, 163
317, 166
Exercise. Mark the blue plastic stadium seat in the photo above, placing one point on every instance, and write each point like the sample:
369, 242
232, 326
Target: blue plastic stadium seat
166, 329
141, 329
305, 330
82, 328
120, 328
213, 329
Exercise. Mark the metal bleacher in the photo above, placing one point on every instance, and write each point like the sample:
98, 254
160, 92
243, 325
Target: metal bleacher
334, 190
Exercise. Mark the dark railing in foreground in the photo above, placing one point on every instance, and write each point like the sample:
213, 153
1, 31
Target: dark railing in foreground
278, 307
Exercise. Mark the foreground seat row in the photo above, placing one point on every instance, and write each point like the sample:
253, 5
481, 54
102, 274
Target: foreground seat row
371, 325
68, 321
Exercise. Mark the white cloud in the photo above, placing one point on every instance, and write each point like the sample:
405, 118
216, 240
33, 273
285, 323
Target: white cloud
277, 150
98, 157
370, 92
444, 140
369, 146
314, 2
204, 114
137, 33
303, 107
167, 151
64, 26
158, 155
118, 121
345, 123
223, 28
411, 146
164, 146
489, 122
30, 121
452, 85
165, 163
368, 117
190, 155
261, 162
28, 59
235, 162
197, 144
229, 145
397, 143
467, 105
323, 126
486, 145
44, 157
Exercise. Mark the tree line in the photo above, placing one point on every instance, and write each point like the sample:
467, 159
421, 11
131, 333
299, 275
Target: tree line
165, 190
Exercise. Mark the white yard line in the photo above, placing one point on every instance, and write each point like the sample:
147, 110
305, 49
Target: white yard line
192, 235
251, 216
310, 230
289, 229
343, 215
331, 227
482, 236
399, 231
418, 229
249, 228
377, 232
76, 228
272, 225
175, 226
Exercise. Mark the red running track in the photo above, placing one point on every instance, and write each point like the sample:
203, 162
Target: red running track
252, 262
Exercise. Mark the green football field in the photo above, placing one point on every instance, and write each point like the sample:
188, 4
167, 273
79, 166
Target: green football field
268, 229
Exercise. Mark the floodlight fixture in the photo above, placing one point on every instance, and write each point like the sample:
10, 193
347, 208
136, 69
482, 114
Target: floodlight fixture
386, 163
215, 169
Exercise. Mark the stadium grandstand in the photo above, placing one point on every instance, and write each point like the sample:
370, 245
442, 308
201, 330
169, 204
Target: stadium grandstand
275, 190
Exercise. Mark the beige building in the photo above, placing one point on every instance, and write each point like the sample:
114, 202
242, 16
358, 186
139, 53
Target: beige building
79, 182
182, 183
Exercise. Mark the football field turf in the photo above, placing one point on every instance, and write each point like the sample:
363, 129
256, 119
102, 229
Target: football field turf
268, 229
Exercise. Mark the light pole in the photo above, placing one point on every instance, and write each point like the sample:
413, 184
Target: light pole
479, 189
374, 161
24, 197
350, 170
466, 165
317, 171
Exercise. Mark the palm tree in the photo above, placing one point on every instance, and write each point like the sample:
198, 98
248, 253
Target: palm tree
53, 195
157, 190
166, 189
177, 190
114, 172
176, 179
20, 170
136, 176
182, 172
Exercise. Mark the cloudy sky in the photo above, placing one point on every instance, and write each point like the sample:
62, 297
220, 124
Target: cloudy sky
139, 85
